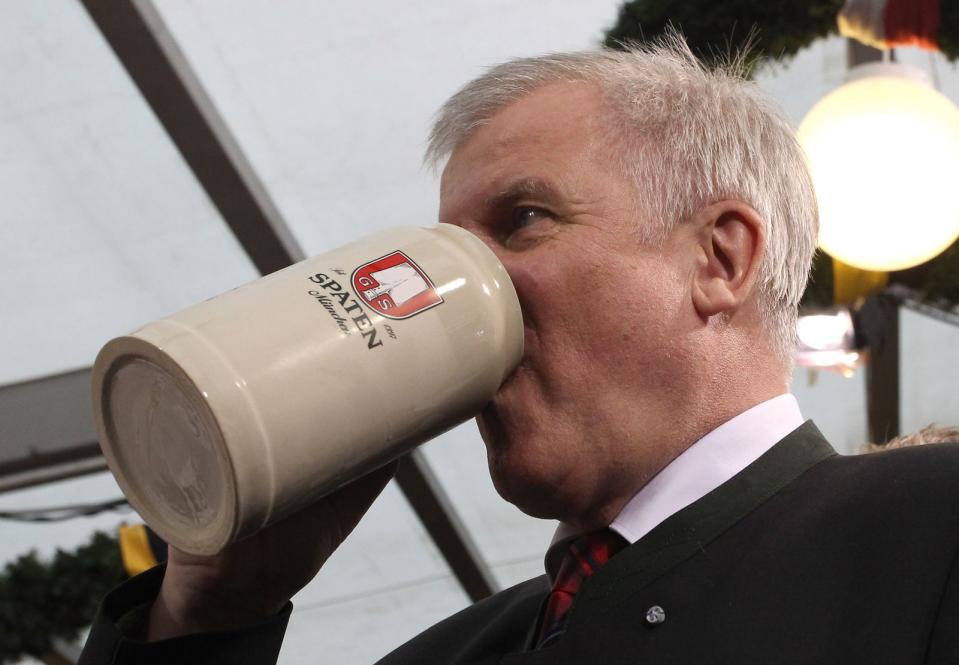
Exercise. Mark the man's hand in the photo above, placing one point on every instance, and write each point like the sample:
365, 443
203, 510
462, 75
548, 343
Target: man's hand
254, 578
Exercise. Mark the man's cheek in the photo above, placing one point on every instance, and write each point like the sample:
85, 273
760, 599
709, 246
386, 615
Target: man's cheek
541, 288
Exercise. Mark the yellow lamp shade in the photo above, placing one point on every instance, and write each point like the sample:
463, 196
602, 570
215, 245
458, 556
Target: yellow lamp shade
883, 150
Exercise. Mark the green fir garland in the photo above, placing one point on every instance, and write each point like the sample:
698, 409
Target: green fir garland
774, 30
42, 601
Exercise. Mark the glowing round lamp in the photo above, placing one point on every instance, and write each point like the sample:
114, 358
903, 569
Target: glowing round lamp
884, 155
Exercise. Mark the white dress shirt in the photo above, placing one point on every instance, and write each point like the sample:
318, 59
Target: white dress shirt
703, 467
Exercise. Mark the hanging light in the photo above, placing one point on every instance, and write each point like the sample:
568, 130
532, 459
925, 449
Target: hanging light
884, 155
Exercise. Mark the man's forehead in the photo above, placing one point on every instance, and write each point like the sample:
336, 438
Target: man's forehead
556, 108
552, 120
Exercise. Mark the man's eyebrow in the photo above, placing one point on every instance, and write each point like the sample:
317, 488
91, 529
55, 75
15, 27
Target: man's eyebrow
528, 187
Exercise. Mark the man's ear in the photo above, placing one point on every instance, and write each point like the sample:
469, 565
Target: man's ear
731, 243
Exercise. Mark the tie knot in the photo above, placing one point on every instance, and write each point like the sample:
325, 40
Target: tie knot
584, 556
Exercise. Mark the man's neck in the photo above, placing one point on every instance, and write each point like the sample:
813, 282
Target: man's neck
701, 467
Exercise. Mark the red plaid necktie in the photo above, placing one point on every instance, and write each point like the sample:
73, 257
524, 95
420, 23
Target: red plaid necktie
586, 554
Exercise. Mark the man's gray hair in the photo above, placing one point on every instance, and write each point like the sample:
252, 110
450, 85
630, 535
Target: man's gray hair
688, 136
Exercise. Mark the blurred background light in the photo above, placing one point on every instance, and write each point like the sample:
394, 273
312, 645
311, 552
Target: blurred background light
828, 340
884, 152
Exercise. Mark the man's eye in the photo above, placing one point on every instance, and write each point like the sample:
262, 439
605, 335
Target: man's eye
524, 217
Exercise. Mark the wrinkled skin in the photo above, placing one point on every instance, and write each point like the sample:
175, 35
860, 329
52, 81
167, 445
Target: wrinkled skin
587, 418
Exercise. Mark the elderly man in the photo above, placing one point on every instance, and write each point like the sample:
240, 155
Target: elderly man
658, 223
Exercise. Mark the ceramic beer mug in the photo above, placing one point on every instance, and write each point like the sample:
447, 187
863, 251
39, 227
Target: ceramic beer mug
234, 413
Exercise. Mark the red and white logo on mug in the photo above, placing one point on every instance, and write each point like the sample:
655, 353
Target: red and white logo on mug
394, 286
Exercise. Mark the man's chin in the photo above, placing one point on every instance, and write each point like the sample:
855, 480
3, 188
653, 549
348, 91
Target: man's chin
522, 472
520, 457
527, 489
490, 426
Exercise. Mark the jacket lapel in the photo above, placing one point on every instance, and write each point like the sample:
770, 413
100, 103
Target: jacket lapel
685, 533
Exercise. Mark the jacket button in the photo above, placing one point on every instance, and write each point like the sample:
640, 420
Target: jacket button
655, 615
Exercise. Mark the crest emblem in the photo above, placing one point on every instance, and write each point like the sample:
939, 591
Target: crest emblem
394, 286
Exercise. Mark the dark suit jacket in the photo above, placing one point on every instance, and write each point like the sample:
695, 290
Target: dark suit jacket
804, 557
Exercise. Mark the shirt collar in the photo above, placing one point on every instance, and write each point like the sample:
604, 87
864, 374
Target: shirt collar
701, 468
